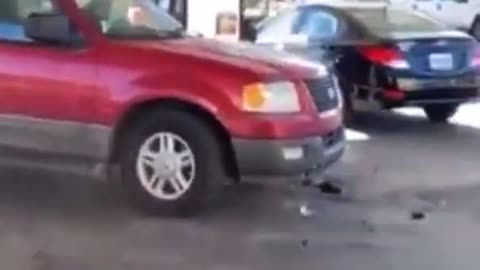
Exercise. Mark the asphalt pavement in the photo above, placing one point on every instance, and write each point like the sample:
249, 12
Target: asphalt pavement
411, 200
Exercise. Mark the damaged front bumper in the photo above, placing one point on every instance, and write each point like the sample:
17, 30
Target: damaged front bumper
288, 157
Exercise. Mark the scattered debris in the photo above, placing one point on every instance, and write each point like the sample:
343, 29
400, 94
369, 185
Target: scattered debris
41, 260
304, 243
417, 215
328, 187
442, 204
307, 182
370, 227
305, 210
313, 177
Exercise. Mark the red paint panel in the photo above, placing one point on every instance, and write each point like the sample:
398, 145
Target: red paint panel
47, 82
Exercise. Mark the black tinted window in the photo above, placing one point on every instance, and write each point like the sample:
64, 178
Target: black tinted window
13, 14
278, 27
318, 24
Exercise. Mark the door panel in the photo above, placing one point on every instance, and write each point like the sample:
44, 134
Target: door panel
47, 92
47, 96
46, 82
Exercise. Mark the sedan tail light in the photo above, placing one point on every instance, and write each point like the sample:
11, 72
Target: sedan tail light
475, 62
386, 56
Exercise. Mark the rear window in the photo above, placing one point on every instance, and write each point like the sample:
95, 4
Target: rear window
388, 20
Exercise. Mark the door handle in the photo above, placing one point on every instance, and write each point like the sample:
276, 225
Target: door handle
439, 6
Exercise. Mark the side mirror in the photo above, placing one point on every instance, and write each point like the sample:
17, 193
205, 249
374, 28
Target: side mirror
52, 28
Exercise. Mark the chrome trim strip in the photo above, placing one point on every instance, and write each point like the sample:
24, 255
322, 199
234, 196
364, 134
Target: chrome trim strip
55, 136
329, 113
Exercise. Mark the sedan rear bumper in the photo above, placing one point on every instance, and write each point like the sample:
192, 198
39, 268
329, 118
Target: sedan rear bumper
378, 98
416, 84
441, 101
418, 91
443, 94
434, 96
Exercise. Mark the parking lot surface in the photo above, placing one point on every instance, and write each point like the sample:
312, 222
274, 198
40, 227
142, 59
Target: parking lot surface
410, 201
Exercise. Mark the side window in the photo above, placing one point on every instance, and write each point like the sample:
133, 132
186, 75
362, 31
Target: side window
318, 24
278, 27
13, 14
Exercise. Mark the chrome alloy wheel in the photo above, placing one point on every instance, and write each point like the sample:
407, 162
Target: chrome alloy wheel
166, 166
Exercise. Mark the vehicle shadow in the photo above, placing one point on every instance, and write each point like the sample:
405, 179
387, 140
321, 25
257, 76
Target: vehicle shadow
49, 197
252, 197
391, 123
39, 193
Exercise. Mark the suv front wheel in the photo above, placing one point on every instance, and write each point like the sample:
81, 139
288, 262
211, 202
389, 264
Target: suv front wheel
440, 113
171, 164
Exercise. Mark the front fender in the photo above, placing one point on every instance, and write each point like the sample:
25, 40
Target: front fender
220, 100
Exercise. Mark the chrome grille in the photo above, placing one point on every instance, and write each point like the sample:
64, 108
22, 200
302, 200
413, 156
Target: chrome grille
323, 93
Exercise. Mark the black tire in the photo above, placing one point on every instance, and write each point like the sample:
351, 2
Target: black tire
440, 113
348, 111
209, 176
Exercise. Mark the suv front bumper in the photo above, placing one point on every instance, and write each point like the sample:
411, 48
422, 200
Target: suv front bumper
288, 157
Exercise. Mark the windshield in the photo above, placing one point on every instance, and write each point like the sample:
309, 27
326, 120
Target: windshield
394, 20
130, 18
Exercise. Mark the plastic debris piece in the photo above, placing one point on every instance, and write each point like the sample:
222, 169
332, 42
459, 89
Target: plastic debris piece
330, 188
416, 215
442, 203
305, 210
307, 182
370, 227
304, 243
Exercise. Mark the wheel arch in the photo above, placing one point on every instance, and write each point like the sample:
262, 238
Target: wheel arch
137, 111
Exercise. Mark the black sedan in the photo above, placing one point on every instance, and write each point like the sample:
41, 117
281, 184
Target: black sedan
383, 57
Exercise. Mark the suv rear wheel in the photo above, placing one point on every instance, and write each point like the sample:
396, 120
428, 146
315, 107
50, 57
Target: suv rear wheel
171, 164
348, 110
440, 113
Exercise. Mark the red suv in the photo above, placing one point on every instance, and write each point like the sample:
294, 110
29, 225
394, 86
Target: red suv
101, 87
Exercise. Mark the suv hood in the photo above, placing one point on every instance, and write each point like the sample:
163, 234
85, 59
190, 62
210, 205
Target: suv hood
261, 61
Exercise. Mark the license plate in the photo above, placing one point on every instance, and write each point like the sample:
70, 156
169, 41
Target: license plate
441, 61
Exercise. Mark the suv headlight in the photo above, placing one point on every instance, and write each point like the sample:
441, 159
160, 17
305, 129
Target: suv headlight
276, 97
